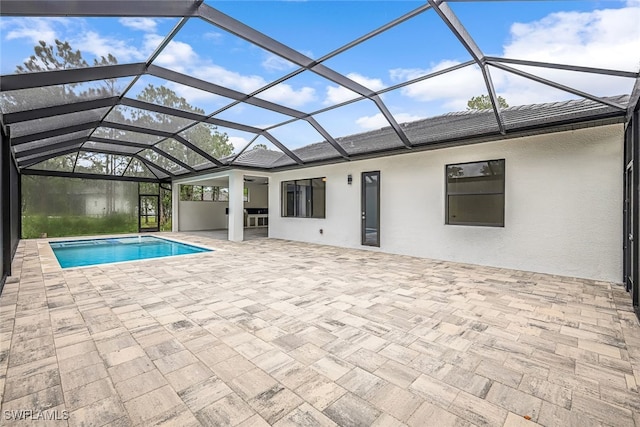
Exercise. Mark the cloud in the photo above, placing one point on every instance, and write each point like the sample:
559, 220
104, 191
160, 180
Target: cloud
284, 93
34, 29
76, 32
338, 94
453, 88
197, 97
276, 63
250, 83
178, 56
238, 142
99, 45
607, 38
224, 77
142, 24
378, 121
214, 36
181, 57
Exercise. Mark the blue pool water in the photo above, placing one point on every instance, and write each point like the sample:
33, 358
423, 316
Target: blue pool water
77, 253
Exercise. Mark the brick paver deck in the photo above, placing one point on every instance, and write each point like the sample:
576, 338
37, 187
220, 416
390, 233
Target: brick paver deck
290, 334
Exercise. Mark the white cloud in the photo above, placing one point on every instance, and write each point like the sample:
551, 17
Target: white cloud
99, 45
223, 77
238, 142
214, 36
378, 121
142, 24
608, 38
276, 63
181, 57
338, 94
453, 88
284, 93
33, 29
195, 96
249, 83
178, 56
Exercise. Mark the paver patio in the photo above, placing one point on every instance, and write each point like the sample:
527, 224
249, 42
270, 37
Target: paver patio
269, 332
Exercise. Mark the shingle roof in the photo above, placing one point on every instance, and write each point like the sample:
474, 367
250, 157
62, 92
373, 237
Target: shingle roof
257, 158
462, 125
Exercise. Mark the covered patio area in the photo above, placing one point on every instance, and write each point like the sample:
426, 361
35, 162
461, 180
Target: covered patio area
272, 332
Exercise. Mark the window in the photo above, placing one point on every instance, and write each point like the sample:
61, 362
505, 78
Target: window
475, 193
206, 193
304, 198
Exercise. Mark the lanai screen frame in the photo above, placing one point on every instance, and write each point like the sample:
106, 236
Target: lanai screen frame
197, 9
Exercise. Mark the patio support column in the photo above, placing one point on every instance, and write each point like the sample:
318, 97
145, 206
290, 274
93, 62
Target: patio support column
175, 206
236, 206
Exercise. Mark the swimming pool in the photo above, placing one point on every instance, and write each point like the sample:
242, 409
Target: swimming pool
78, 253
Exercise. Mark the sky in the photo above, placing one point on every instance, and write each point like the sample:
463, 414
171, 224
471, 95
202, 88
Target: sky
603, 34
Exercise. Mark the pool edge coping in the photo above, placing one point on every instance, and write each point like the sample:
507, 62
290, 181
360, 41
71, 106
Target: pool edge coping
50, 264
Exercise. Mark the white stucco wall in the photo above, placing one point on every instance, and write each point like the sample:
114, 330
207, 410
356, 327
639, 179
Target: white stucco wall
202, 216
207, 215
258, 195
563, 205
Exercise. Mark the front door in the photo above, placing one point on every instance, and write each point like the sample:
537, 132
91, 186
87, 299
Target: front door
148, 213
371, 208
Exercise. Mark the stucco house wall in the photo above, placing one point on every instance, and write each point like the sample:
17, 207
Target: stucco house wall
563, 205
207, 215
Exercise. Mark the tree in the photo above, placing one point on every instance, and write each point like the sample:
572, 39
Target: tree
483, 102
203, 135
63, 56
46, 58
260, 147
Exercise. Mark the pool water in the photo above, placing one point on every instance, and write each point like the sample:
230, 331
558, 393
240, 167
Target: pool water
77, 253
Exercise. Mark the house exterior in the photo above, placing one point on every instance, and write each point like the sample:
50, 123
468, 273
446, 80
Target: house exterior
554, 205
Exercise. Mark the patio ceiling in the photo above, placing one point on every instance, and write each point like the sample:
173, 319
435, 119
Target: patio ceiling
110, 122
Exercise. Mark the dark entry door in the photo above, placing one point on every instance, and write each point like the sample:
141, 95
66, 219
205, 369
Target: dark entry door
148, 213
371, 208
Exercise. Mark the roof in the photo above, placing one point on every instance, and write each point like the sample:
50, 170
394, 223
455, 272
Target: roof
459, 127
103, 128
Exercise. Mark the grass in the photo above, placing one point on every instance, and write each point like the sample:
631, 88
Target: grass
34, 226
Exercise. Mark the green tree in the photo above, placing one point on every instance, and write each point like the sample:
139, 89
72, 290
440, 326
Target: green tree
483, 102
60, 56
260, 147
46, 57
203, 135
